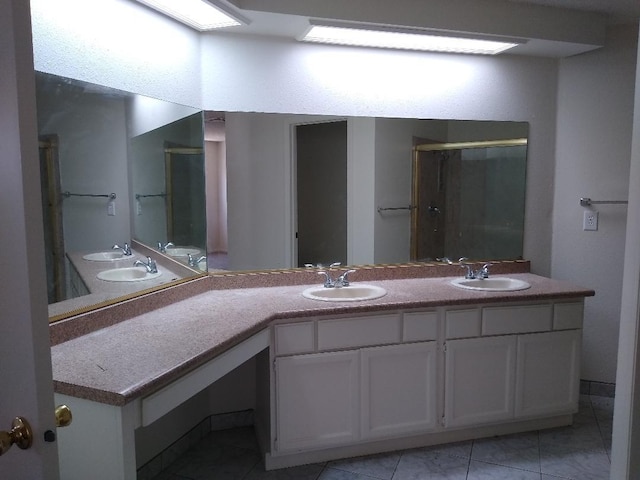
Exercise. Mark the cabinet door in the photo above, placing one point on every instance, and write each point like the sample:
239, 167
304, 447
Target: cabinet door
479, 380
548, 373
317, 400
398, 392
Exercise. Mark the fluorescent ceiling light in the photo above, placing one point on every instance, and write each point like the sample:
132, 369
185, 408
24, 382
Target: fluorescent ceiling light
383, 37
199, 14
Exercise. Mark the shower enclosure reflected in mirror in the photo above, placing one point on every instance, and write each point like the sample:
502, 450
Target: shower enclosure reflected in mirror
168, 183
99, 148
468, 200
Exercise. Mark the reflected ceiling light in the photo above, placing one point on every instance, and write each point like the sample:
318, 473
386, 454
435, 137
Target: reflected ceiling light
403, 39
199, 14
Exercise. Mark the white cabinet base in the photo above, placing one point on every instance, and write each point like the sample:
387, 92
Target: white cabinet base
100, 442
273, 462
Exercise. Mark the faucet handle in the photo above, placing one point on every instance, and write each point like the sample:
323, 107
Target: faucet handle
343, 280
151, 265
126, 250
470, 273
328, 282
192, 261
484, 271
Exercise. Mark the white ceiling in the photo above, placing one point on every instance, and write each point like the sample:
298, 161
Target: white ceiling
552, 28
623, 8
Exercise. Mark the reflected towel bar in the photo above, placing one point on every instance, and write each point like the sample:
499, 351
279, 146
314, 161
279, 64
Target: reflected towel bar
587, 202
68, 194
139, 196
384, 209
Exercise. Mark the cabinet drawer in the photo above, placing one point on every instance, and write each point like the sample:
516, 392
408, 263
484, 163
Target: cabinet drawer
358, 332
520, 319
294, 338
462, 323
420, 326
568, 315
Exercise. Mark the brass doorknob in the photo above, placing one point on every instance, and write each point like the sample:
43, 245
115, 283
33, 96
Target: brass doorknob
63, 416
20, 434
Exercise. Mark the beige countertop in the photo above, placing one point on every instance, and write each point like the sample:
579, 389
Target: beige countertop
135, 357
102, 291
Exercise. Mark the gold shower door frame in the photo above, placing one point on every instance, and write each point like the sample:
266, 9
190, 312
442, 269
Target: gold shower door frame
416, 173
48, 144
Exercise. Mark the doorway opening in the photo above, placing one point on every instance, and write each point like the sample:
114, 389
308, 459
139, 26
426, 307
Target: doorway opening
321, 193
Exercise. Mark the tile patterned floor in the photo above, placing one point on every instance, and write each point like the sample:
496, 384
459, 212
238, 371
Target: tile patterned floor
580, 452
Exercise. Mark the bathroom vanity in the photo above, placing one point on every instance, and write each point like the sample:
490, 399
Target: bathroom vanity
361, 384
427, 363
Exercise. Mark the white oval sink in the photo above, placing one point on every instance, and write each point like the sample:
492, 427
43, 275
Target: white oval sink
128, 274
351, 293
182, 251
103, 256
491, 284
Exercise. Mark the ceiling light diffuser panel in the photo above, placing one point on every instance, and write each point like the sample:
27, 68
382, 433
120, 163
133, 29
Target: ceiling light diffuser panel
199, 14
384, 37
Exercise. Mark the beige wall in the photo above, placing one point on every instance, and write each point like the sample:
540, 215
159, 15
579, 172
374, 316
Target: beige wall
595, 113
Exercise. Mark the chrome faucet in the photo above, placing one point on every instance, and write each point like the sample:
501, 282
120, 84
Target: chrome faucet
192, 261
163, 247
126, 250
341, 281
150, 265
471, 274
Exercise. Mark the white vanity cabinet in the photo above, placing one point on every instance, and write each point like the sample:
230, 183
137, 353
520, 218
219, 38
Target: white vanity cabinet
318, 400
345, 386
398, 389
548, 373
360, 378
523, 363
479, 380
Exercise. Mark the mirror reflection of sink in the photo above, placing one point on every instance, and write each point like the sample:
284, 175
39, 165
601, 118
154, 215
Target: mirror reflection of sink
351, 293
491, 284
103, 256
128, 274
182, 251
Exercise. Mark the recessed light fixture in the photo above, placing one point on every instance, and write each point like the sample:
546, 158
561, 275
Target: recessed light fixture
403, 39
199, 14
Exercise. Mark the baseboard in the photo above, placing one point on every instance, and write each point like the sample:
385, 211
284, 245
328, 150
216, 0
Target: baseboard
601, 389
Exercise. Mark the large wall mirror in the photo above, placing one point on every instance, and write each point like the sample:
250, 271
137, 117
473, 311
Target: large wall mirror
117, 169
236, 191
308, 189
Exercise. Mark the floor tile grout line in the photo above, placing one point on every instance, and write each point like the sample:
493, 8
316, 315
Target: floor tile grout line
473, 443
395, 469
539, 454
495, 464
252, 467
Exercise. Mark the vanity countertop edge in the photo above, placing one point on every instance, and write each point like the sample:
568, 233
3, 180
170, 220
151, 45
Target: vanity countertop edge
137, 357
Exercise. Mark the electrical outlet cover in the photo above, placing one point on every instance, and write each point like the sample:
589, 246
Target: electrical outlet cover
590, 220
